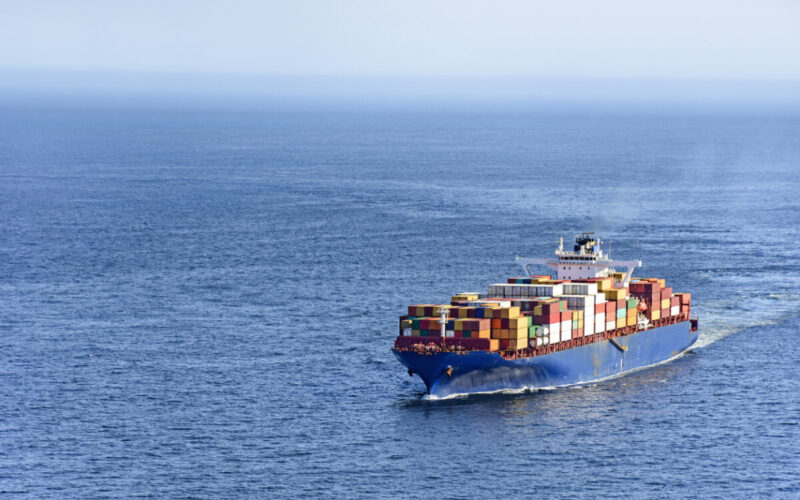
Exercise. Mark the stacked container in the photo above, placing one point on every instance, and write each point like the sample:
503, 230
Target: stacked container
525, 290
536, 311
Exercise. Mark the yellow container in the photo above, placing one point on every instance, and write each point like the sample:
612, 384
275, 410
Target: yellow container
509, 312
406, 323
494, 345
621, 322
656, 314
605, 284
465, 297
517, 323
415, 333
631, 320
537, 310
516, 344
504, 333
664, 303
462, 312
484, 334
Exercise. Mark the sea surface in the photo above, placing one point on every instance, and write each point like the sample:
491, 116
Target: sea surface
201, 303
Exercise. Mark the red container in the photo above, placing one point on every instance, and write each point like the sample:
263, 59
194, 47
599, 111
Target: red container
599, 308
621, 304
674, 301
651, 286
666, 293
611, 309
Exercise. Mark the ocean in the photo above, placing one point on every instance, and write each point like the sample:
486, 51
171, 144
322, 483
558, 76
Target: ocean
202, 303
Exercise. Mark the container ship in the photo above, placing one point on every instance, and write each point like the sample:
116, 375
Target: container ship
587, 323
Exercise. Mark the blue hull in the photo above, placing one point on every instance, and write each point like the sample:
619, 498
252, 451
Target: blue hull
480, 371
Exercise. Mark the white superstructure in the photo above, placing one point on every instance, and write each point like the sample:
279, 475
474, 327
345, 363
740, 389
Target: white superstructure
587, 260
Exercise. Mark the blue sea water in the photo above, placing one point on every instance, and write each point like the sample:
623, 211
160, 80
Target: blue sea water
201, 303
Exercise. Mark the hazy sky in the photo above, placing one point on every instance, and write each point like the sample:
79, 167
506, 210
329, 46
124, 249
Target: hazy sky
555, 38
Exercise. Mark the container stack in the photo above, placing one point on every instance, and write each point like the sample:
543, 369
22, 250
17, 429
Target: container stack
537, 311
659, 298
506, 290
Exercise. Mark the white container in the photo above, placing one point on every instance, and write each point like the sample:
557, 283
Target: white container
449, 333
600, 323
536, 290
406, 332
600, 298
579, 302
580, 288
555, 332
611, 325
674, 310
566, 330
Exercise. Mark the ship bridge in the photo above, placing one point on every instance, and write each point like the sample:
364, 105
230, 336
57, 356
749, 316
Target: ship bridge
585, 260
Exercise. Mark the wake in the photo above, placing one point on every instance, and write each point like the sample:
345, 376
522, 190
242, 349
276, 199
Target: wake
720, 319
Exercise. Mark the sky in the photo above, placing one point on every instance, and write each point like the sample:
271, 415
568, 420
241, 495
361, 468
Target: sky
401, 41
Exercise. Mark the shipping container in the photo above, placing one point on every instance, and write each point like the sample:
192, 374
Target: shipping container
600, 322
579, 289
616, 293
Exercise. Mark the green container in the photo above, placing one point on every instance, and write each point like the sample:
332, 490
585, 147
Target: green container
415, 323
632, 303
533, 331
466, 334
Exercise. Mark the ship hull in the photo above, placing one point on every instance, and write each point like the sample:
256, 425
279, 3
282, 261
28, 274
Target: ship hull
481, 371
